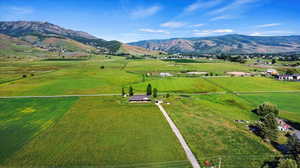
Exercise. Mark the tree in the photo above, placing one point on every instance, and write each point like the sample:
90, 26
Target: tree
268, 127
102, 67
149, 90
274, 61
267, 108
291, 71
130, 91
155, 92
123, 92
294, 146
287, 163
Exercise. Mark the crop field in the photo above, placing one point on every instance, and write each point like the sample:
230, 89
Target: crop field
246, 84
109, 131
179, 84
144, 66
207, 124
288, 103
95, 131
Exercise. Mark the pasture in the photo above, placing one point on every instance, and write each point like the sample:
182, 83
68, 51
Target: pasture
253, 84
95, 131
288, 103
207, 124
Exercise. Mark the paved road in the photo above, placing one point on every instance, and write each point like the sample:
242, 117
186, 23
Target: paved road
185, 146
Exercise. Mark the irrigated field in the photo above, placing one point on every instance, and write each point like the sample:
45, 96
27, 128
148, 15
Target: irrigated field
246, 84
288, 103
95, 131
207, 122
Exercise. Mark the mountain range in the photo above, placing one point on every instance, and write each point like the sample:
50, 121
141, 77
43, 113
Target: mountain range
233, 43
31, 38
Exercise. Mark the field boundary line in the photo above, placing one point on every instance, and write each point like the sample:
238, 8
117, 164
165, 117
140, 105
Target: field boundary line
191, 157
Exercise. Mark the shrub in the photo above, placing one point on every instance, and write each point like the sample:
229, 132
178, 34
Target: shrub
24, 76
287, 163
267, 108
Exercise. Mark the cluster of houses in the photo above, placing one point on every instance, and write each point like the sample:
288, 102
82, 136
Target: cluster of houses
294, 77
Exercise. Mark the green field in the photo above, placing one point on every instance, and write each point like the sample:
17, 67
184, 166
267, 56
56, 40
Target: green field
104, 131
95, 131
246, 84
288, 103
207, 124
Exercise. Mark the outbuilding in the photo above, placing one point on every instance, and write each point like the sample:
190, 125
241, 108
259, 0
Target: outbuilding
140, 98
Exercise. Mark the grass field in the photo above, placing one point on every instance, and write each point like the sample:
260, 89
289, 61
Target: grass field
207, 124
288, 103
178, 84
245, 84
96, 132
23, 119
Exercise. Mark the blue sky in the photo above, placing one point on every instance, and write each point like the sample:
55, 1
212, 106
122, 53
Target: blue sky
133, 20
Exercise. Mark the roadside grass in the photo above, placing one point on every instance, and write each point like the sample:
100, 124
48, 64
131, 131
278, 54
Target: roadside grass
178, 84
207, 123
244, 84
23, 119
104, 131
288, 103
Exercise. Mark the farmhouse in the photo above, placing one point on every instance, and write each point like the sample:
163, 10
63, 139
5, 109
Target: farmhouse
282, 125
140, 98
272, 71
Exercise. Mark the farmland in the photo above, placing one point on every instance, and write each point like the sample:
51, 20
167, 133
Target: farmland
207, 123
109, 131
94, 131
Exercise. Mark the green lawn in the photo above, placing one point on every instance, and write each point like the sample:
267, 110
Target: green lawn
102, 131
207, 123
288, 103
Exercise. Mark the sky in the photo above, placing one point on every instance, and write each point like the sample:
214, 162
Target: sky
135, 20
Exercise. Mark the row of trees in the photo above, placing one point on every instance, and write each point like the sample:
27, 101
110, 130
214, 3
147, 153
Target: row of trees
149, 91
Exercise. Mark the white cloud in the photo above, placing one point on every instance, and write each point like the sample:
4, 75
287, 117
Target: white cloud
222, 17
145, 12
211, 32
173, 24
197, 25
237, 4
271, 33
154, 31
200, 4
268, 25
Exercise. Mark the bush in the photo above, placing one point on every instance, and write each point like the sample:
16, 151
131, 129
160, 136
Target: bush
287, 163
102, 67
24, 76
267, 108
